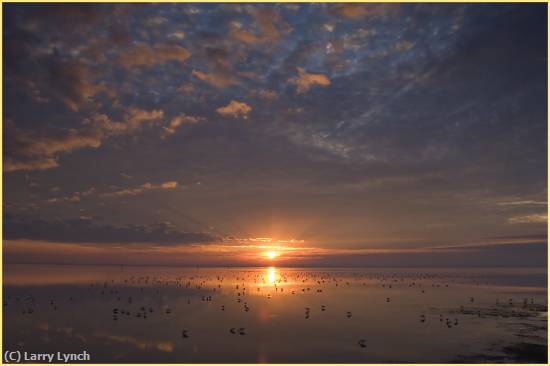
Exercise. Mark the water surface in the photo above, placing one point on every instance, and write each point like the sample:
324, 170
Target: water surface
277, 315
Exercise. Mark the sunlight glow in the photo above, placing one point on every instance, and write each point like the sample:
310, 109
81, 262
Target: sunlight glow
271, 254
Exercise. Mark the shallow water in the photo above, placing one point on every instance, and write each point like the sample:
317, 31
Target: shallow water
138, 314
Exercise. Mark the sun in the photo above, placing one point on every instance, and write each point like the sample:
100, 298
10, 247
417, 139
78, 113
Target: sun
271, 254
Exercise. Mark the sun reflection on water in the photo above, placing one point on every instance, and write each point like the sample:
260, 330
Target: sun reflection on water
272, 274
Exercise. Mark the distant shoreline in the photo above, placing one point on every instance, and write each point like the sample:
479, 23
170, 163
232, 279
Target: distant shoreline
264, 266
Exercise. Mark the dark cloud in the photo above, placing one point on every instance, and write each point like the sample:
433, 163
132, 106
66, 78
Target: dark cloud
506, 255
72, 83
40, 149
28, 150
87, 230
522, 237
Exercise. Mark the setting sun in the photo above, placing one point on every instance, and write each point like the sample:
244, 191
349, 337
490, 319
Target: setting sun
271, 254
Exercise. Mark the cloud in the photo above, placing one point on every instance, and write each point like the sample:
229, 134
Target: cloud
71, 82
267, 94
141, 189
304, 81
75, 197
524, 238
266, 21
178, 121
187, 88
235, 109
143, 55
403, 46
11, 165
134, 118
221, 73
523, 203
31, 150
360, 11
529, 219
217, 57
155, 20
178, 35
118, 34
217, 79
328, 27
169, 185
245, 36
86, 230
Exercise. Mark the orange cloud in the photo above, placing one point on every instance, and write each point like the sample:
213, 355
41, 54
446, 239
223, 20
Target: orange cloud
235, 109
266, 21
141, 189
178, 121
11, 165
217, 79
245, 36
358, 11
143, 55
304, 81
134, 118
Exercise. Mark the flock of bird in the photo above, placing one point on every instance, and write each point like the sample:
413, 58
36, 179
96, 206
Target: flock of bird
128, 293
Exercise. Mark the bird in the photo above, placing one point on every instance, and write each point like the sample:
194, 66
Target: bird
362, 343
184, 333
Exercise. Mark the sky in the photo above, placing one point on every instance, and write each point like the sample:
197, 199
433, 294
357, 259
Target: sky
288, 134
